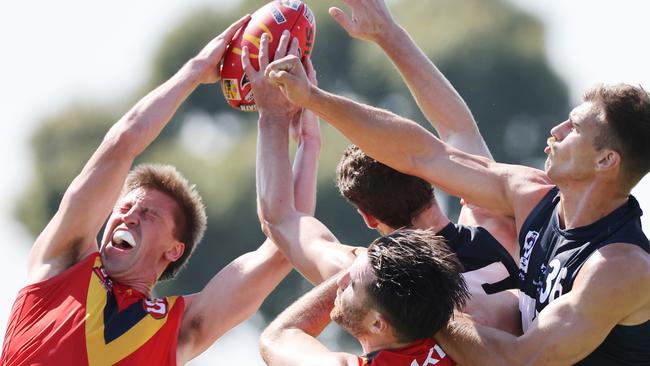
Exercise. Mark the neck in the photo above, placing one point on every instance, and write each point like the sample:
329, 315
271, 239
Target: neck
431, 218
583, 204
373, 344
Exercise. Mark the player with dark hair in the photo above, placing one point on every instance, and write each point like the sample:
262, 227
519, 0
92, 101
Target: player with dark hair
584, 273
392, 299
90, 304
388, 199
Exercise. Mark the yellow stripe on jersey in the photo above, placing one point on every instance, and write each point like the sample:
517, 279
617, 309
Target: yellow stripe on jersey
99, 352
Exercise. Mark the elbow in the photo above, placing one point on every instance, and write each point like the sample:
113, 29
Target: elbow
267, 343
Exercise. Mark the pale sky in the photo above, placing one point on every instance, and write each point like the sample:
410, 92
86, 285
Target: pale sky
55, 52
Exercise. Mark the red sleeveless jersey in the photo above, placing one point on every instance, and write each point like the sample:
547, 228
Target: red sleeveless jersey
81, 317
425, 352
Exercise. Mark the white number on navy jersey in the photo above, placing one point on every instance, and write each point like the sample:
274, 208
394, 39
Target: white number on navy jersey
553, 288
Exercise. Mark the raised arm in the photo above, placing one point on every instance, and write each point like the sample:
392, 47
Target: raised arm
444, 108
605, 294
249, 279
406, 146
290, 340
71, 233
308, 244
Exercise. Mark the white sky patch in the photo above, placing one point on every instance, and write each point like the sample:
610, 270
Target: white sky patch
53, 52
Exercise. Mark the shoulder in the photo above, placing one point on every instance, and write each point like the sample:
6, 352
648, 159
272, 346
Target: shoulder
624, 259
619, 272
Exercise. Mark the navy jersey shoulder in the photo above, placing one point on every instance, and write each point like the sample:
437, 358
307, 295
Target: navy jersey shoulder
477, 248
551, 258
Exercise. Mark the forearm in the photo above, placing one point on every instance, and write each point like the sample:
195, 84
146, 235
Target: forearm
436, 97
305, 174
310, 314
275, 194
471, 344
144, 121
391, 139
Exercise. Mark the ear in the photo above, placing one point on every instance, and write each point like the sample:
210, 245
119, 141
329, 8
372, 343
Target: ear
370, 220
176, 251
608, 160
379, 323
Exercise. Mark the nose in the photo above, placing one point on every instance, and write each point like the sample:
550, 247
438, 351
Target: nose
560, 131
344, 280
130, 217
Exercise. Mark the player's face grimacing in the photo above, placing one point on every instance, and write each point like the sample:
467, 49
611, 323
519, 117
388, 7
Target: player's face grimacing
572, 152
351, 307
139, 235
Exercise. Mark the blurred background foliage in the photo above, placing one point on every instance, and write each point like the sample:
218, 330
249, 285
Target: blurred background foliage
493, 55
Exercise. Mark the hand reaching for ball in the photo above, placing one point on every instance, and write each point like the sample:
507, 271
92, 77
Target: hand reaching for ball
289, 74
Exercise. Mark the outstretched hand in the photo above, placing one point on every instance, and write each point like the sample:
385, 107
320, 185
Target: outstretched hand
370, 19
267, 95
208, 59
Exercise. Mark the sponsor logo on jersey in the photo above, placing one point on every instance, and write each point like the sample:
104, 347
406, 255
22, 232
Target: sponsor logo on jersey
291, 4
277, 15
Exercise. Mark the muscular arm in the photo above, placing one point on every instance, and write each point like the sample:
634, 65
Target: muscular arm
441, 104
612, 288
309, 245
71, 233
238, 290
291, 338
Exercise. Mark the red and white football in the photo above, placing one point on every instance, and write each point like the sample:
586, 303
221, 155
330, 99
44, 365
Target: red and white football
273, 18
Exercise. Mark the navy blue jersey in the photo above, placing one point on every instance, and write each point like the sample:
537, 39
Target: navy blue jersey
477, 248
551, 258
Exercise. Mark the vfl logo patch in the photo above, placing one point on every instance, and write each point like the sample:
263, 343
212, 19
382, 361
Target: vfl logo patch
230, 89
277, 15
529, 243
291, 4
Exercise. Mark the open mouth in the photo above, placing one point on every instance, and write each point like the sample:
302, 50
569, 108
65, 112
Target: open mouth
123, 239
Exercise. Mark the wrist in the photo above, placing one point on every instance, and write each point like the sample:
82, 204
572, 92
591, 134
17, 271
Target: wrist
393, 37
275, 117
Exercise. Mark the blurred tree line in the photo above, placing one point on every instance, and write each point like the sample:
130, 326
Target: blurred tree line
493, 55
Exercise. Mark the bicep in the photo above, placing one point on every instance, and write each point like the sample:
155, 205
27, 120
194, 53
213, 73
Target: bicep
70, 234
476, 179
604, 293
231, 296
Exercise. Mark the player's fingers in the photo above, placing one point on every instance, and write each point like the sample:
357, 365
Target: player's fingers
311, 71
341, 18
281, 51
246, 63
264, 51
294, 50
279, 65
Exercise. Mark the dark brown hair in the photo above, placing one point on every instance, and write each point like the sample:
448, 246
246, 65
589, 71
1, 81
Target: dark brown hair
392, 197
416, 283
190, 220
626, 110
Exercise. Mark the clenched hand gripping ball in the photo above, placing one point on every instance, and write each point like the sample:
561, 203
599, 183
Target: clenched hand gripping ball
273, 18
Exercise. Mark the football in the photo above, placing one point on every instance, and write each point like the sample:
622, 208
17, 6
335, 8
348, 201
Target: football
273, 18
